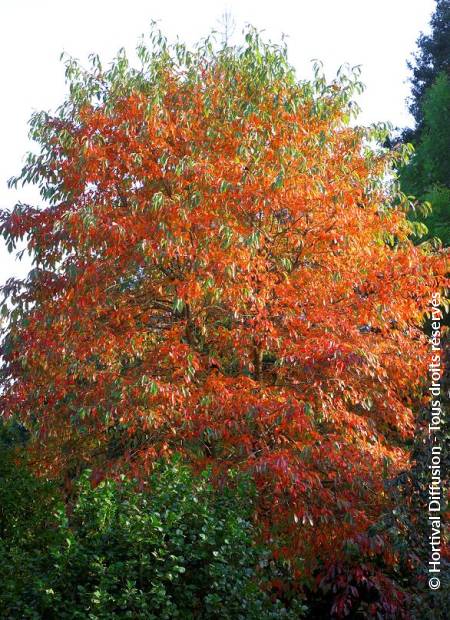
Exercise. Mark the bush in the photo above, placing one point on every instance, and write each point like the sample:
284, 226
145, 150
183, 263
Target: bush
179, 549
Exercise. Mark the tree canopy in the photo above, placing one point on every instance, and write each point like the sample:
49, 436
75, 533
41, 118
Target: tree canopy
431, 59
223, 267
427, 175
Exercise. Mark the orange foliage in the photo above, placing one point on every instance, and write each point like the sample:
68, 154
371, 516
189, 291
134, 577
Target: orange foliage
225, 271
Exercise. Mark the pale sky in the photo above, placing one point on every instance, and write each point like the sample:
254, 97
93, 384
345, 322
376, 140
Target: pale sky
380, 35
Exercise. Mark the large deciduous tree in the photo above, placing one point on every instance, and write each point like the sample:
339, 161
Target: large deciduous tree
222, 267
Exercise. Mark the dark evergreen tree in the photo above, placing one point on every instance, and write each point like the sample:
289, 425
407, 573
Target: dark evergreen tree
427, 175
432, 58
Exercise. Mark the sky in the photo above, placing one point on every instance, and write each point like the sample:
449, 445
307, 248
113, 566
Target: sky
379, 35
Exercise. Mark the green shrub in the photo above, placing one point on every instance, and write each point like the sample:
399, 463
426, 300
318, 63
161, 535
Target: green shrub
28, 530
179, 549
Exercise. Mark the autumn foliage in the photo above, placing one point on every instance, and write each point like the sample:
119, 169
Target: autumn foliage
223, 267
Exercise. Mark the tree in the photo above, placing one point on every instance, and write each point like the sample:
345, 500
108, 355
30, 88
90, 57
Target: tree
224, 269
427, 174
431, 59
